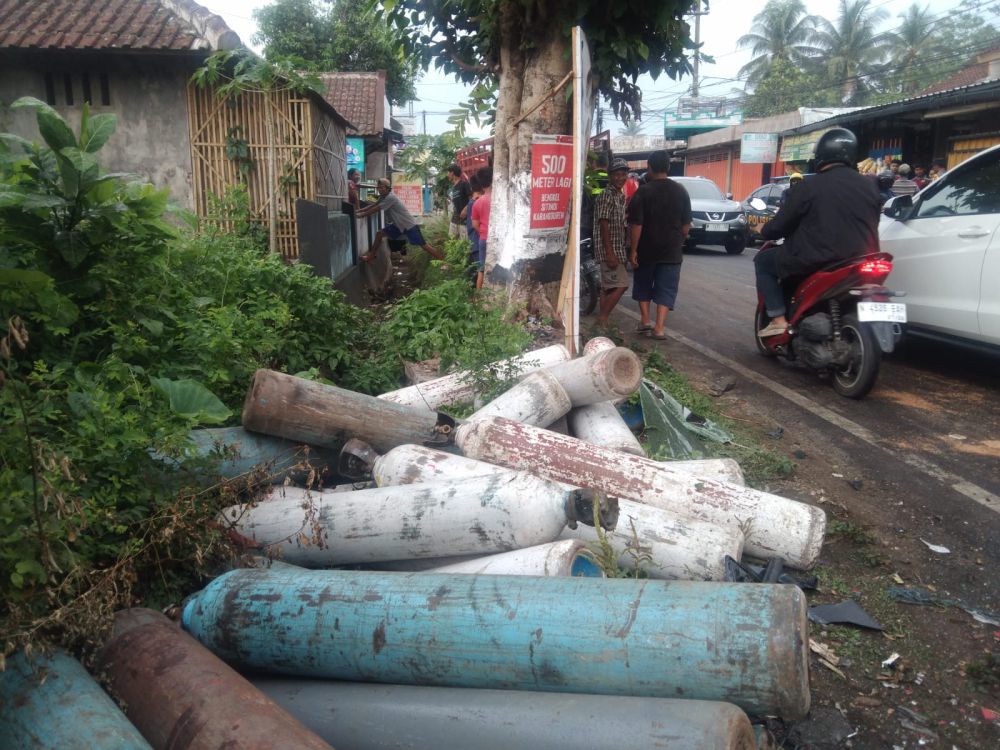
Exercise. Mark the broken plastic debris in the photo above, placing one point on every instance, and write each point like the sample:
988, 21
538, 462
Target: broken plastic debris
846, 612
891, 660
988, 713
936, 548
916, 595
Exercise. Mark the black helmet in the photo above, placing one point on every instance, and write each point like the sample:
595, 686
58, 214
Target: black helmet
836, 145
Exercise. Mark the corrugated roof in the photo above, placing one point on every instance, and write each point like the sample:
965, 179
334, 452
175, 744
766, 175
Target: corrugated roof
965, 77
136, 25
359, 97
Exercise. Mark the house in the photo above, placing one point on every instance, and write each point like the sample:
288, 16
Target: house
135, 58
361, 98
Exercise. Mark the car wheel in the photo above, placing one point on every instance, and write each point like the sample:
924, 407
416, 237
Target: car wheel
736, 245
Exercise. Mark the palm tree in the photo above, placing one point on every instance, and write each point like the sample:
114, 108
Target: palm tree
632, 128
852, 48
912, 46
782, 31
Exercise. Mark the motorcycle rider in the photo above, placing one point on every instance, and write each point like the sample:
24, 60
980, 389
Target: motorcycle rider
833, 215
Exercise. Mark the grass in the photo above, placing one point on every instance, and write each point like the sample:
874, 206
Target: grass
760, 464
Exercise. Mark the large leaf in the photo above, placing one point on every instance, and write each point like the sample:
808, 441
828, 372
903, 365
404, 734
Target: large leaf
192, 400
100, 128
33, 281
55, 132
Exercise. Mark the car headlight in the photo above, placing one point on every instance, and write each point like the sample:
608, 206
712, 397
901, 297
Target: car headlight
741, 219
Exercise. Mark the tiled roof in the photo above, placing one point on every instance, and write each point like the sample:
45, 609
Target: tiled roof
359, 97
137, 25
965, 77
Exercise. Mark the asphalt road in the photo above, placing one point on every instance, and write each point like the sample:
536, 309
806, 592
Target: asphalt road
930, 430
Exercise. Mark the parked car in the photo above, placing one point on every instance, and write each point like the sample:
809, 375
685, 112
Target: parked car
771, 195
946, 252
716, 219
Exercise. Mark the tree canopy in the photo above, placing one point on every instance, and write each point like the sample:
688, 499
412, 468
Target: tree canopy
337, 35
472, 38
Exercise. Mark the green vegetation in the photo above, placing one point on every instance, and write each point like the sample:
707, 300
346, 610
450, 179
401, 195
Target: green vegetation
760, 465
120, 332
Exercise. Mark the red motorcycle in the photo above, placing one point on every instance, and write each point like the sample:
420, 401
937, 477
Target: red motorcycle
840, 321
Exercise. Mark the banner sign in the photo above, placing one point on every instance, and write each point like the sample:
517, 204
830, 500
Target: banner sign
759, 148
355, 154
799, 148
681, 126
412, 196
551, 182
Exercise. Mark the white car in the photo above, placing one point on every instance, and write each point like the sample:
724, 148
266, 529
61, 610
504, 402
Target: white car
946, 252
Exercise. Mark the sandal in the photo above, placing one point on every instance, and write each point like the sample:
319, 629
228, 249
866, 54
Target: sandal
658, 336
640, 328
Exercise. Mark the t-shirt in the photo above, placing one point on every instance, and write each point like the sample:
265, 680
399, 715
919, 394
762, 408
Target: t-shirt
459, 195
481, 213
395, 212
473, 234
662, 208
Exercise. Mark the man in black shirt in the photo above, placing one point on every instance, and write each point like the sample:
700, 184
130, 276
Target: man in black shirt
659, 217
459, 195
833, 215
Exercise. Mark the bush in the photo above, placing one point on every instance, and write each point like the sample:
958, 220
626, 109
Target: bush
118, 334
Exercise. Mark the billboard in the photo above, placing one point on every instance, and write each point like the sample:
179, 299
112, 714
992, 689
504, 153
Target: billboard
759, 148
551, 182
681, 126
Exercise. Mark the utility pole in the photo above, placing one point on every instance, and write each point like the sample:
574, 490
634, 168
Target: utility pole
424, 113
697, 11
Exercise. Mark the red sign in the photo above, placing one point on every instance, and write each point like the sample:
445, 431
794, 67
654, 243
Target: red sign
412, 197
551, 182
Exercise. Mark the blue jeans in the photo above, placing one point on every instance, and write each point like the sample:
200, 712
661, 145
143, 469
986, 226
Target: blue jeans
768, 283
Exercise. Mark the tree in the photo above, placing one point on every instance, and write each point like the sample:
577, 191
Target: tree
786, 87
852, 48
522, 49
913, 47
338, 35
427, 158
632, 128
782, 32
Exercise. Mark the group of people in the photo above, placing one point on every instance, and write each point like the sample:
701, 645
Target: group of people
471, 201
647, 230
894, 177
831, 216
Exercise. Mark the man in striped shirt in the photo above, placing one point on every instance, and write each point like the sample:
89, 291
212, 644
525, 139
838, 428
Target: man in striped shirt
611, 240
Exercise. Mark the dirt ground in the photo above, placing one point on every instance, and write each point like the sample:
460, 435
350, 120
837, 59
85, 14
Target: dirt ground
931, 677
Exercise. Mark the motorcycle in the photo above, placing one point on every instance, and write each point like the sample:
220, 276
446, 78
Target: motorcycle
590, 277
840, 321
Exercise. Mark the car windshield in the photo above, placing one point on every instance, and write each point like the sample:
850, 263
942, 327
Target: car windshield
703, 190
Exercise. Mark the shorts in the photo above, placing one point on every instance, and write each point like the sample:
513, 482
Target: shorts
616, 278
413, 235
656, 282
458, 230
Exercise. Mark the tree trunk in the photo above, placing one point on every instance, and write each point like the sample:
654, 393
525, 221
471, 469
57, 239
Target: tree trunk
529, 267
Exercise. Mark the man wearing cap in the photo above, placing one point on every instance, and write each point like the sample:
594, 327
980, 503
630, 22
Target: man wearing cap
795, 178
611, 240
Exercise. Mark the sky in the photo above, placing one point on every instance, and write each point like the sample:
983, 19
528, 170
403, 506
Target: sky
726, 21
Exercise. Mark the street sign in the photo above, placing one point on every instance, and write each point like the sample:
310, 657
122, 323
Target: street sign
551, 182
759, 148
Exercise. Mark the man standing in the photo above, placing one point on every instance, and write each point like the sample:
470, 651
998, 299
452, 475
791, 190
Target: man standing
610, 240
399, 222
660, 218
458, 195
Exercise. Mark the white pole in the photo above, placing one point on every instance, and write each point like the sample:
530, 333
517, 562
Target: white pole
539, 399
567, 557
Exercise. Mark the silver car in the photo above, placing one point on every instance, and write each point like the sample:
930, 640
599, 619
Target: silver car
716, 219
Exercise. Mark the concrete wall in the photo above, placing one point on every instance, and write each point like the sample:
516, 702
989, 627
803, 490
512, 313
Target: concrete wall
151, 140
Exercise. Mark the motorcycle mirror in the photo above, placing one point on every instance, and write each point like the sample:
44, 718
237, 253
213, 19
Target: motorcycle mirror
757, 204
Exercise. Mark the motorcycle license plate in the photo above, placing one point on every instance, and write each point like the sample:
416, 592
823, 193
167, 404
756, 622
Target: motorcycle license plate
886, 312
716, 227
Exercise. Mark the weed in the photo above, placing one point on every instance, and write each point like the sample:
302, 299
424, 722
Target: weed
848, 529
984, 673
